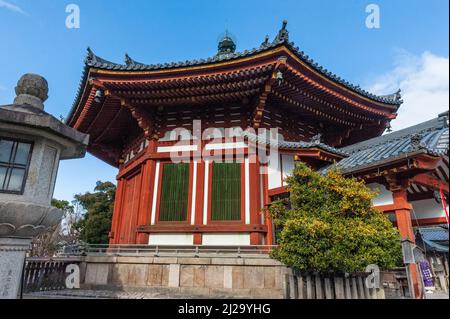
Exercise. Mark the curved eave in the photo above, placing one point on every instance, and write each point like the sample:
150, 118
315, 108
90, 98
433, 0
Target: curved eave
381, 164
302, 146
271, 51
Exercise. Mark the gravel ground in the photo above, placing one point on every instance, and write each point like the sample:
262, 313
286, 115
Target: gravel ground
437, 296
110, 294
102, 294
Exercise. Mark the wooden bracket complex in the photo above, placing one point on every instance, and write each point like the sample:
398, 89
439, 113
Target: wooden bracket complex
262, 100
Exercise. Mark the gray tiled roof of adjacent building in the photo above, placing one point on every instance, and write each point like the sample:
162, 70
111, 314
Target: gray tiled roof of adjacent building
434, 233
431, 137
281, 144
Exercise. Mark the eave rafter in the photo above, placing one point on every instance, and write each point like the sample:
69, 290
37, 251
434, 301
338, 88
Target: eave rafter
108, 153
108, 127
294, 90
143, 118
88, 105
317, 154
430, 182
193, 91
221, 97
262, 99
360, 106
313, 110
126, 82
402, 174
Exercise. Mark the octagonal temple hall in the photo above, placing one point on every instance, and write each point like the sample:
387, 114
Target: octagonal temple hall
139, 115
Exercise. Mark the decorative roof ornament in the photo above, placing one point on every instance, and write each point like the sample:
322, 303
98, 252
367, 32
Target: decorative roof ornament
283, 34
395, 97
226, 45
443, 118
398, 95
90, 56
129, 61
93, 60
316, 139
389, 127
416, 142
266, 43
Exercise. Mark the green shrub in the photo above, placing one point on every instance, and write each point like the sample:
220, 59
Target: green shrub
328, 224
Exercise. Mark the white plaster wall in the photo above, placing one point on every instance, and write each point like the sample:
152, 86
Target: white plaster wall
194, 192
171, 239
176, 148
225, 146
233, 239
179, 134
274, 173
206, 193
288, 165
384, 197
261, 197
155, 193
427, 208
247, 190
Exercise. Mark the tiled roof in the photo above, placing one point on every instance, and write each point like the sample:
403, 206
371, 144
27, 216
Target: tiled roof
93, 60
433, 239
431, 137
434, 233
281, 39
285, 145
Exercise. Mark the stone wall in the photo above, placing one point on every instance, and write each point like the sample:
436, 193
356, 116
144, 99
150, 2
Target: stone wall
203, 277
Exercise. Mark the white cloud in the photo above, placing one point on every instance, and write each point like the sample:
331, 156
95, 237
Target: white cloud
424, 81
12, 7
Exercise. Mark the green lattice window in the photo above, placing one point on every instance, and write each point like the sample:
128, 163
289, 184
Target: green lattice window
174, 193
226, 191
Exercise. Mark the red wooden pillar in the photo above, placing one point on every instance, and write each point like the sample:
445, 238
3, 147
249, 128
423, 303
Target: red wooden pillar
136, 207
115, 224
266, 199
255, 198
146, 196
404, 225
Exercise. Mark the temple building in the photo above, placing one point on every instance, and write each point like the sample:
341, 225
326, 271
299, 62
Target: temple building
184, 179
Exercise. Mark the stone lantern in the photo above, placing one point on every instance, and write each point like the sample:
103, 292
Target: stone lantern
32, 142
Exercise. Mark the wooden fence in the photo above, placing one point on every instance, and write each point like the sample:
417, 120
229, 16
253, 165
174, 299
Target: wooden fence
331, 286
45, 274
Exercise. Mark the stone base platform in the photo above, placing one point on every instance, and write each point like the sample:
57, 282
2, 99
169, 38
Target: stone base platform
201, 277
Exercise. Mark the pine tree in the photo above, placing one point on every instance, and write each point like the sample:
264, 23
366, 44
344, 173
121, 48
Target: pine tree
99, 205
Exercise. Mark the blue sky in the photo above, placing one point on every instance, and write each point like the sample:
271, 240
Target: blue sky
410, 49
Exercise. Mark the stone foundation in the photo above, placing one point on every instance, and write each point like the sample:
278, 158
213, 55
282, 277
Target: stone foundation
202, 277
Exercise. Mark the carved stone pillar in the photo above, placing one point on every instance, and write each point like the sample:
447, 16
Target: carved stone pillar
12, 256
